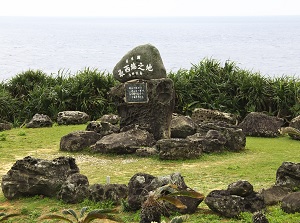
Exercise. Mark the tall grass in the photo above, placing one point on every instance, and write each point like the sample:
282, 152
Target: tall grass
228, 88
208, 84
35, 92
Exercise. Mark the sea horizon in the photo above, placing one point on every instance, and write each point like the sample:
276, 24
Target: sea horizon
266, 44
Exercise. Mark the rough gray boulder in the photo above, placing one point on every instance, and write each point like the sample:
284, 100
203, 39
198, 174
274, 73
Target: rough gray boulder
39, 121
72, 118
217, 136
123, 142
207, 115
295, 123
291, 203
31, 176
240, 188
78, 140
102, 128
75, 189
274, 194
5, 125
108, 192
261, 125
213, 141
110, 118
182, 126
288, 175
141, 184
233, 201
178, 149
142, 62
136, 190
153, 113
146, 151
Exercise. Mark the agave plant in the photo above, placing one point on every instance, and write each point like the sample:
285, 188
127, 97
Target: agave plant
4, 217
153, 207
82, 218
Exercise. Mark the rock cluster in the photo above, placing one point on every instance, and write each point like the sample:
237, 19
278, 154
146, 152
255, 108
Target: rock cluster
59, 178
239, 197
286, 188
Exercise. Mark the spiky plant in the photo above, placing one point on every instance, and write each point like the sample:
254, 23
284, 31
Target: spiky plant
82, 218
153, 207
4, 217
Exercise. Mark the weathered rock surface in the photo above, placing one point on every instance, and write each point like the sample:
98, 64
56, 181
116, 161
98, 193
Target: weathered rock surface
75, 189
78, 140
155, 114
72, 118
146, 151
295, 123
291, 203
30, 177
108, 192
230, 203
207, 115
261, 125
288, 175
39, 121
182, 126
5, 125
136, 190
213, 141
142, 62
240, 188
176, 148
102, 128
217, 136
274, 194
110, 118
123, 142
141, 184
259, 217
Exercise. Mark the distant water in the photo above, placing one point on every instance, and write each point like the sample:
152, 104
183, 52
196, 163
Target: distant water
269, 45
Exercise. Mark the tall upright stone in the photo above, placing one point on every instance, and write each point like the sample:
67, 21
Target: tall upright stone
145, 97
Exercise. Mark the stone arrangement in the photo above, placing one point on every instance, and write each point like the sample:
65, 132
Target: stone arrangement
146, 126
61, 178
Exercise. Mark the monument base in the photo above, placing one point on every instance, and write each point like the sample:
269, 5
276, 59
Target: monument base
146, 104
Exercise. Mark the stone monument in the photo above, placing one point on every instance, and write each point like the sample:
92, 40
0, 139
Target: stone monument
145, 96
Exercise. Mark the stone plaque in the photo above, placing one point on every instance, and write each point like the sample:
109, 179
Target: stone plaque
136, 93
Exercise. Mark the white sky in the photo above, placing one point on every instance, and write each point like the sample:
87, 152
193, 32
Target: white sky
156, 8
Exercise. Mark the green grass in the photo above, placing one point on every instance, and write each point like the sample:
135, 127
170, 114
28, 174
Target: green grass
257, 164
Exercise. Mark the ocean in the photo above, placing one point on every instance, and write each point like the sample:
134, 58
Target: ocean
269, 45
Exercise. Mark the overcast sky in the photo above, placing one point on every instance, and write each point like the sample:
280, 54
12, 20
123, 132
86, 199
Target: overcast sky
156, 8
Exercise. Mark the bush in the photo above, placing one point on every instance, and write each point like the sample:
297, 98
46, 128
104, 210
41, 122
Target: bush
208, 84
230, 89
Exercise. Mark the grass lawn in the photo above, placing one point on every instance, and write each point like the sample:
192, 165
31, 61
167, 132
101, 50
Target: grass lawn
257, 164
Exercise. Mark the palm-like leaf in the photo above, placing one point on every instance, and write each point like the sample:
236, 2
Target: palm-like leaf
174, 201
70, 212
98, 214
6, 217
56, 217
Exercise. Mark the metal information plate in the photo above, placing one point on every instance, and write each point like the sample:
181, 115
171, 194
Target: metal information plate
136, 93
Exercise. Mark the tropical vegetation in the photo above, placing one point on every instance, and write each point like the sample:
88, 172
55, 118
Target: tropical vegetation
208, 84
